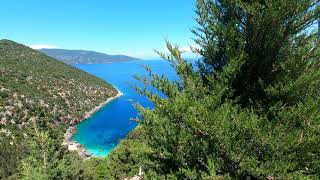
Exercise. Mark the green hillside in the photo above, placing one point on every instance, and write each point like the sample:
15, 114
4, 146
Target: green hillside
35, 86
38, 88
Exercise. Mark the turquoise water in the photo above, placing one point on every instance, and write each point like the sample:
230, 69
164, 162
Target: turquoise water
103, 131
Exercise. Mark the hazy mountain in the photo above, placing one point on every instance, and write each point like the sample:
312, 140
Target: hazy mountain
85, 57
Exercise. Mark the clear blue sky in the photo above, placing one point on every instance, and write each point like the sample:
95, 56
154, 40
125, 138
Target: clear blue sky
131, 27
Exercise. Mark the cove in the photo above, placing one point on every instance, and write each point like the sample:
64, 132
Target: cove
101, 133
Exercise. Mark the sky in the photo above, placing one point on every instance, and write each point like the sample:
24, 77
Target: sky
130, 27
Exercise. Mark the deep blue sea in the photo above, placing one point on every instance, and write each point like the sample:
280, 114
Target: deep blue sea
103, 131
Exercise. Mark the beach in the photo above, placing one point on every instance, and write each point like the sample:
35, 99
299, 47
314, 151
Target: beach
72, 129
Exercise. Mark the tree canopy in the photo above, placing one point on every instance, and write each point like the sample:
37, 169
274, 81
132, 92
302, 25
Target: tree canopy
250, 108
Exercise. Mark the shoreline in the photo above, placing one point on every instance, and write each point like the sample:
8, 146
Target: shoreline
72, 129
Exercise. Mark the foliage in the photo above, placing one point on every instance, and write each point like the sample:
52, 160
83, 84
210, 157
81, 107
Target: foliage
35, 88
12, 151
47, 159
128, 157
250, 109
42, 158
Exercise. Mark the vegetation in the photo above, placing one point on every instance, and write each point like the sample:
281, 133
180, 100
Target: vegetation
36, 89
250, 109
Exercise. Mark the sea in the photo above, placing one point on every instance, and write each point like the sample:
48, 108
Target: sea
103, 131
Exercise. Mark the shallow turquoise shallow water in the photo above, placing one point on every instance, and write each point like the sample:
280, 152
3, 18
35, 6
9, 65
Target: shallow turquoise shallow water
103, 131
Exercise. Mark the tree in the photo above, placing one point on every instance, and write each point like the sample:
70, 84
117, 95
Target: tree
251, 108
255, 38
11, 150
42, 158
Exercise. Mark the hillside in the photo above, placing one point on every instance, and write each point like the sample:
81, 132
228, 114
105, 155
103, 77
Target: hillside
85, 57
38, 88
33, 85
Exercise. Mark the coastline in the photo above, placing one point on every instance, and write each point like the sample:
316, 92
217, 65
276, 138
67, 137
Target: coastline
72, 129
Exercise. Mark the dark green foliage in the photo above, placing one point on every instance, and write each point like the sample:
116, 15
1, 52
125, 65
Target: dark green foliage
251, 109
10, 155
47, 159
127, 158
257, 38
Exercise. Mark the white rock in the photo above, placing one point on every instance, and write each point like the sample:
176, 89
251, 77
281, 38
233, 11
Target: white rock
72, 147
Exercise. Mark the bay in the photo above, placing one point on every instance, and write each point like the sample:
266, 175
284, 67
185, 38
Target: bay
102, 132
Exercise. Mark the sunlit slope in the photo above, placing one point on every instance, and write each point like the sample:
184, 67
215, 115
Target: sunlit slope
36, 87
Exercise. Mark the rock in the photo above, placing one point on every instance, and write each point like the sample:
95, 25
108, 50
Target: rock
135, 178
72, 147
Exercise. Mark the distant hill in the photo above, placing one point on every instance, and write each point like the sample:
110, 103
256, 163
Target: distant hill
85, 57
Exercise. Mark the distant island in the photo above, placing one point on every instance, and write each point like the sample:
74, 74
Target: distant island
85, 57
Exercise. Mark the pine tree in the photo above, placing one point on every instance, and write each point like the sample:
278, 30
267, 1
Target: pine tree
255, 37
37, 164
251, 108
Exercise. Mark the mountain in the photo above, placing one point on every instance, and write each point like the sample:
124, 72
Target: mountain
85, 57
37, 88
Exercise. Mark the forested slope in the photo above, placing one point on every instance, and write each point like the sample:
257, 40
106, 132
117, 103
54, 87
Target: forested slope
35, 88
